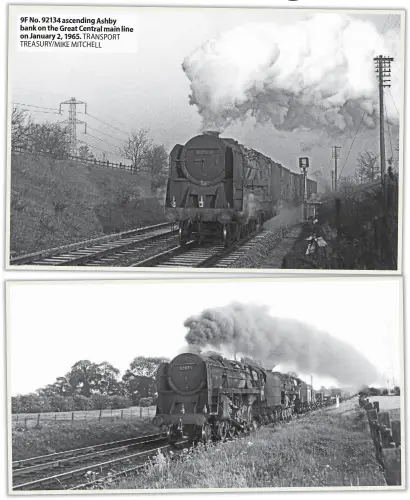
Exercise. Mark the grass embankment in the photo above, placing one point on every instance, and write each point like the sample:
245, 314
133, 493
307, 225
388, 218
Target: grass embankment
52, 438
322, 450
55, 203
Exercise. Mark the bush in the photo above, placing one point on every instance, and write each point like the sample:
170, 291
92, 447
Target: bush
145, 402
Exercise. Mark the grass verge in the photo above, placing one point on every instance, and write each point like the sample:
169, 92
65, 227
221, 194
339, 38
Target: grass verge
58, 202
323, 450
51, 438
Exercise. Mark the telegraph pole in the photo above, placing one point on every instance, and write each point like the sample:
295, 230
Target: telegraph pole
72, 121
335, 156
332, 180
382, 66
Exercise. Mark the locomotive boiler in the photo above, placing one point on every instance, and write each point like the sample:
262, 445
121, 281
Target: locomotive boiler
219, 188
204, 397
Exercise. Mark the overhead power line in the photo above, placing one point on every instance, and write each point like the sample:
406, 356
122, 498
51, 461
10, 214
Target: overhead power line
103, 133
105, 123
33, 106
102, 140
40, 111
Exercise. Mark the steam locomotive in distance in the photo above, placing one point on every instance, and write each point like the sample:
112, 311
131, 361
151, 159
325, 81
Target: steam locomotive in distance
208, 397
219, 188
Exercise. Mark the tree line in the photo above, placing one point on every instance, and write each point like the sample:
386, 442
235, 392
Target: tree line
367, 170
94, 386
53, 140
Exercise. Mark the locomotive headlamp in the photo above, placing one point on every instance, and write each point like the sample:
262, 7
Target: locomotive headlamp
173, 202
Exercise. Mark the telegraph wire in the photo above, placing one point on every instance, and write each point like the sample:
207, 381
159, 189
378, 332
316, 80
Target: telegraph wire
391, 95
388, 130
351, 145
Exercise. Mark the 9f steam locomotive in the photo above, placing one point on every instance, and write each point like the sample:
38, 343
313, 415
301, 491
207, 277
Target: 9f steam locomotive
204, 397
218, 187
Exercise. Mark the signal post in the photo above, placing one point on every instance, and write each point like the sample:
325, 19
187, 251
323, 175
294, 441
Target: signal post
304, 165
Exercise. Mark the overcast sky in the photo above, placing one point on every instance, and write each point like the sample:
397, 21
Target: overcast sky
53, 325
149, 88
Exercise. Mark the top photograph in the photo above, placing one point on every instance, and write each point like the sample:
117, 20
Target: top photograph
223, 139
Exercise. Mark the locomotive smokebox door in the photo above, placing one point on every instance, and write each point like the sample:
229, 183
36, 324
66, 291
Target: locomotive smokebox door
187, 374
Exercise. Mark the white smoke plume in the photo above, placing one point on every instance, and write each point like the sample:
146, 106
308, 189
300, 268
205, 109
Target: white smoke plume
251, 331
313, 74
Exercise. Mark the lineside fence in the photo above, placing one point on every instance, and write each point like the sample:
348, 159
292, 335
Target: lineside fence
28, 420
85, 161
386, 436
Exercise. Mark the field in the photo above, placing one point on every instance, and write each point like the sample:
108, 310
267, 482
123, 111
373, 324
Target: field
322, 450
390, 404
54, 203
49, 438
33, 419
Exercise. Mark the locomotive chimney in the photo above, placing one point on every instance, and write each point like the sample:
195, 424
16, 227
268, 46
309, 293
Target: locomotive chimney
212, 132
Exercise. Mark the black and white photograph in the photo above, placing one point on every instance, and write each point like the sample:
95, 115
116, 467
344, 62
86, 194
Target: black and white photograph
182, 138
237, 385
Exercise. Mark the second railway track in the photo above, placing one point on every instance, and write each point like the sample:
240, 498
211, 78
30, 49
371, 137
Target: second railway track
34, 473
107, 251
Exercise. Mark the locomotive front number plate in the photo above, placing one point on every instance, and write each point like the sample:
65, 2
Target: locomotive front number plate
185, 367
202, 152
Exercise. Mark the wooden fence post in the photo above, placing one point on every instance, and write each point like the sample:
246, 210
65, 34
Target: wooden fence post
140, 411
72, 418
25, 423
38, 419
396, 433
122, 414
99, 416
387, 440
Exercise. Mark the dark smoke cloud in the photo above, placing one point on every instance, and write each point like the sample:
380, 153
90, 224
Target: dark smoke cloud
251, 331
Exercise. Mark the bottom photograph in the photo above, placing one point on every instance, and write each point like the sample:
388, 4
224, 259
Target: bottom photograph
205, 385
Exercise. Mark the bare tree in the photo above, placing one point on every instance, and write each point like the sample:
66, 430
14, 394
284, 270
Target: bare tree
137, 148
21, 122
85, 153
104, 156
367, 167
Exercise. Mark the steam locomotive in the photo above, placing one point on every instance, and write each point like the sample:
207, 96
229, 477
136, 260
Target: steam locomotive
218, 187
208, 397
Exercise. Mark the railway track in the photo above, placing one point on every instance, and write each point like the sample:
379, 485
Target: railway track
106, 251
34, 473
209, 255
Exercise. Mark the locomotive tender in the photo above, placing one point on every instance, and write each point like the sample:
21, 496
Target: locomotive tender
218, 187
204, 397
